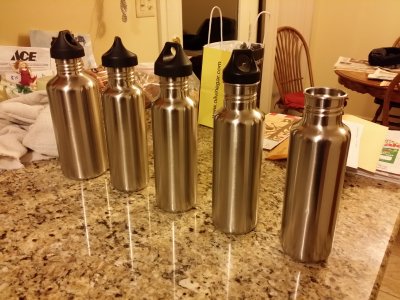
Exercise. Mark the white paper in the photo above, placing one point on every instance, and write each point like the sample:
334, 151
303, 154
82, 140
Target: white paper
277, 129
389, 160
22, 70
351, 64
355, 141
37, 58
372, 140
381, 74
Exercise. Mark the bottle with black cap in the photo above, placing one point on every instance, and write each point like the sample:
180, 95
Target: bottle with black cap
174, 119
237, 147
124, 115
74, 99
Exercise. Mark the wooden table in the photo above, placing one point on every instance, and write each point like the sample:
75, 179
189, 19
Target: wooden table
358, 82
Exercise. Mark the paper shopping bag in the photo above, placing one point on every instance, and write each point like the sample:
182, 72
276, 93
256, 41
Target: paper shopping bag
215, 57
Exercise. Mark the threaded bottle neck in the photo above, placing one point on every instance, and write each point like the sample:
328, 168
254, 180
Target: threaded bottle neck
174, 87
323, 117
121, 77
324, 106
66, 67
240, 96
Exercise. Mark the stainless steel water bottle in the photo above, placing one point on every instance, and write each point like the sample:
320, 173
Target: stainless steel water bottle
318, 148
74, 99
237, 147
174, 121
124, 115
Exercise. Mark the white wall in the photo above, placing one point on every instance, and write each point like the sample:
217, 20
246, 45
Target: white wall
297, 14
351, 28
100, 18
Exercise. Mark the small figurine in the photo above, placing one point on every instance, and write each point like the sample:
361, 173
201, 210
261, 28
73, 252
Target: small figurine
27, 82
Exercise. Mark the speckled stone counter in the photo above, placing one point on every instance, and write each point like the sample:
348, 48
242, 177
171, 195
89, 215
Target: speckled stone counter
65, 239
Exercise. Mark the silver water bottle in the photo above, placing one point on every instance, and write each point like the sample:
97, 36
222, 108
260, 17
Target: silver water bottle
125, 122
318, 149
174, 119
74, 99
237, 147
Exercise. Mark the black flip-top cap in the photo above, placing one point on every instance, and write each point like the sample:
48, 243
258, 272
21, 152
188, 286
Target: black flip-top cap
170, 64
241, 68
65, 46
118, 56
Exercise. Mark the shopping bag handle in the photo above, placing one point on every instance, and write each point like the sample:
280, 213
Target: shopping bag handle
209, 23
264, 12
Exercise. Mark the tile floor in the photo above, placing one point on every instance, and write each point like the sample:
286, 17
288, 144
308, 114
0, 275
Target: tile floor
390, 288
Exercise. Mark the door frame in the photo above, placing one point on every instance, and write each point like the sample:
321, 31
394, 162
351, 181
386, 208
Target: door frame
169, 20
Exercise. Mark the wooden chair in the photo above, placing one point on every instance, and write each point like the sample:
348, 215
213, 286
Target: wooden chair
291, 48
388, 119
380, 101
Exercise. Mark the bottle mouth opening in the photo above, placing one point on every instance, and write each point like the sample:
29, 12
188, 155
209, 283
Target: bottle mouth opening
325, 92
324, 98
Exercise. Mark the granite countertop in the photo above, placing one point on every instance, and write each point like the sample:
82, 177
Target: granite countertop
65, 239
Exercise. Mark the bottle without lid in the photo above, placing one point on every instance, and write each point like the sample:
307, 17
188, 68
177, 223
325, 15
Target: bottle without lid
315, 171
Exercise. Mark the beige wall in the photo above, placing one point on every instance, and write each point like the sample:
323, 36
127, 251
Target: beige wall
298, 14
351, 28
100, 18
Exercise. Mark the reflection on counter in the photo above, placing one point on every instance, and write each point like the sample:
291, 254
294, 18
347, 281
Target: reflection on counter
61, 238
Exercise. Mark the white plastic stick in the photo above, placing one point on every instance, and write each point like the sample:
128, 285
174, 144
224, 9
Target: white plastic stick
209, 23
264, 12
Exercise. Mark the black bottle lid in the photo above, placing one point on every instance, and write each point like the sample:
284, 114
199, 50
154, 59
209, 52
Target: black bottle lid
65, 46
258, 51
241, 68
118, 56
169, 64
